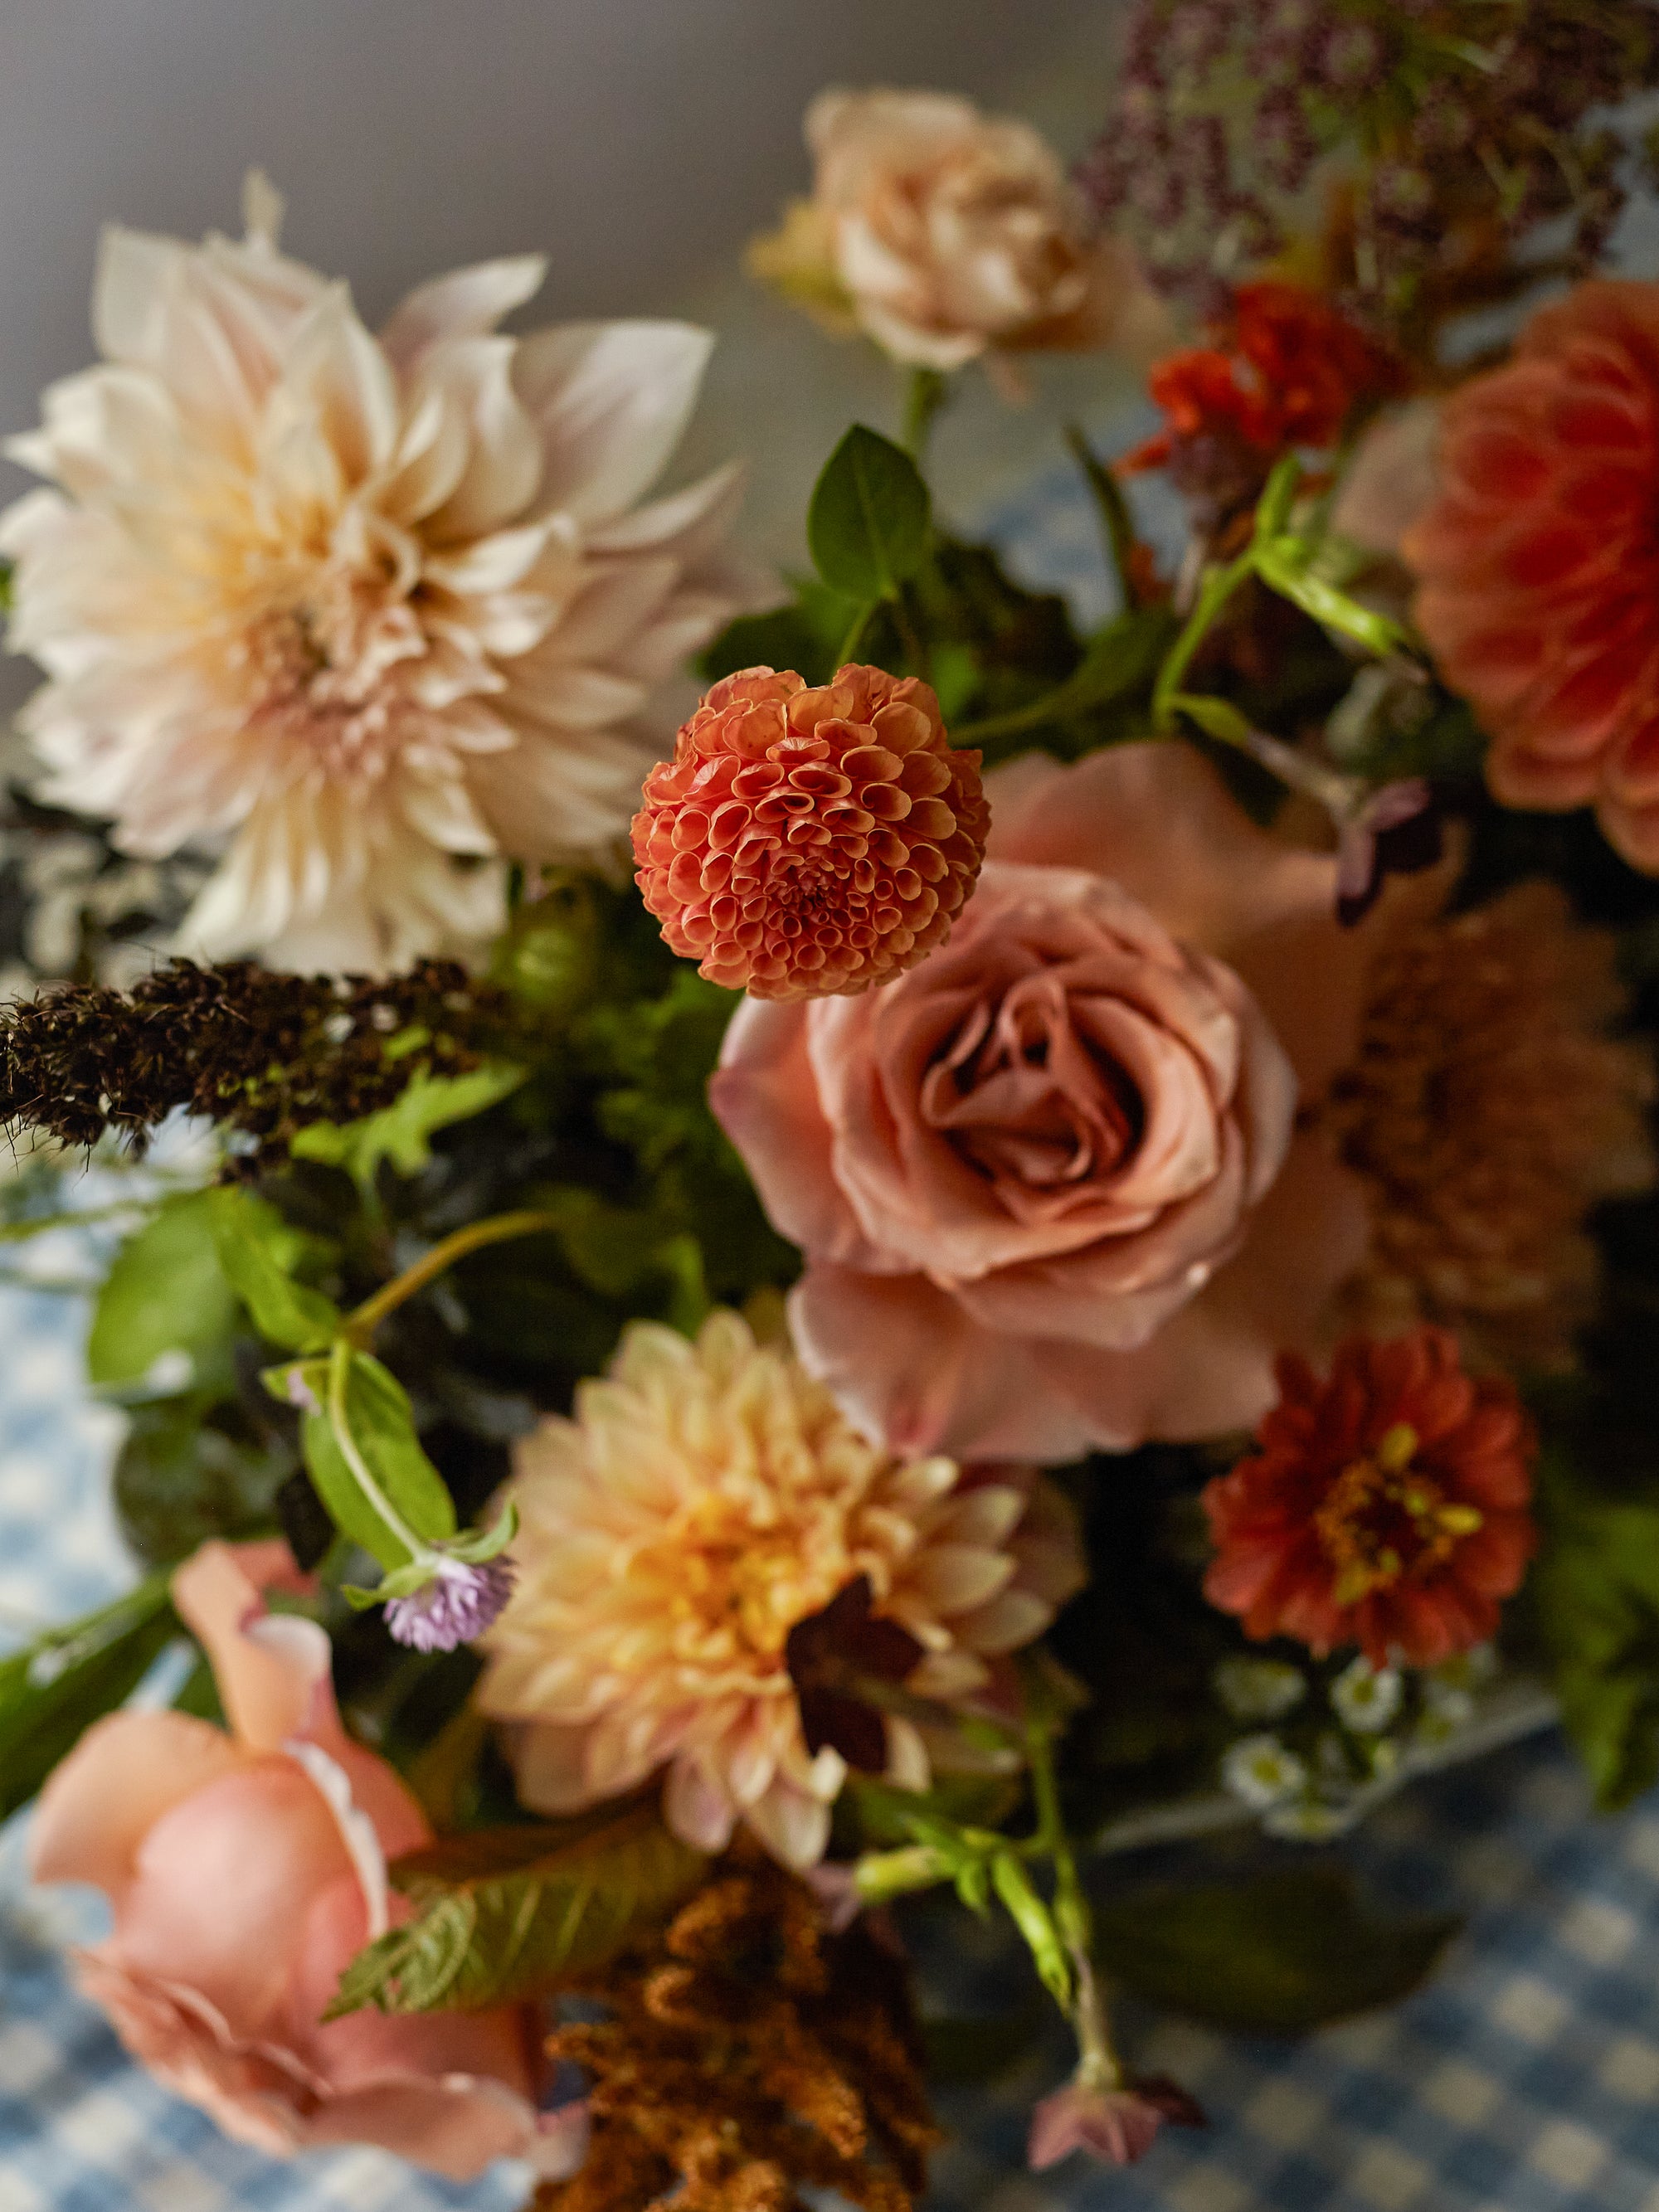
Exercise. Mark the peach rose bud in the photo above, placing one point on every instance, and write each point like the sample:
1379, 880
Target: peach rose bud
806, 842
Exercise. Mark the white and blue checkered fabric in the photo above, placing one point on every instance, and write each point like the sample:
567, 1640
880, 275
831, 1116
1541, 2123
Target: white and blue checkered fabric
1524, 2078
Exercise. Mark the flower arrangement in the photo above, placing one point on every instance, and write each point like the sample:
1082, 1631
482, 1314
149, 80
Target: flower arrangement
1013, 1232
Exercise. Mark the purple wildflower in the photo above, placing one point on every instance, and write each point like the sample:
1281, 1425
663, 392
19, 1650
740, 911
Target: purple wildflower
454, 1607
1395, 833
1116, 2126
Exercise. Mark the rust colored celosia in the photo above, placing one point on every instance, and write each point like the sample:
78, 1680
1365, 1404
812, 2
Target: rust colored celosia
1289, 370
748, 2056
808, 841
1386, 1506
1539, 561
1487, 1109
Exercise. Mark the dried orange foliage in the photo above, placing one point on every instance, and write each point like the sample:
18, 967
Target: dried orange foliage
749, 2054
1488, 1110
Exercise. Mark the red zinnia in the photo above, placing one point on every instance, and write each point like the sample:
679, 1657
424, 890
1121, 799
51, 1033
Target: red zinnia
1539, 561
1386, 1507
808, 841
1290, 372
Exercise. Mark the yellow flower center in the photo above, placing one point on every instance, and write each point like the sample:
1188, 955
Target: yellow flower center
1382, 1519
735, 1575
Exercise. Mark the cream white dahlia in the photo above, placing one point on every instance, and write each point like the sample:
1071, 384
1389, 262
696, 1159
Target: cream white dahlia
363, 617
707, 1501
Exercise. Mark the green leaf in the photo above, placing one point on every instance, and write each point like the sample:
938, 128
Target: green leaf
167, 1292
487, 1543
870, 517
616, 1248
402, 1134
382, 1426
1218, 718
1282, 565
257, 1249
1274, 1956
1118, 660
500, 1915
1595, 1588
190, 1470
785, 637
53, 1689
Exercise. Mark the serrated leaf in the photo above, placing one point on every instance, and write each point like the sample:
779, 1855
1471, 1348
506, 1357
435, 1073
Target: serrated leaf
257, 1249
501, 1915
868, 523
401, 1134
1278, 1955
53, 1689
167, 1292
382, 1428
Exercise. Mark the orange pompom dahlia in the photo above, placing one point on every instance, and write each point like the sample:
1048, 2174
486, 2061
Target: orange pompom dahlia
1539, 561
1385, 1507
808, 840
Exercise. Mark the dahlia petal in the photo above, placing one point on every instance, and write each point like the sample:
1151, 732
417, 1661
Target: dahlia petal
504, 463
333, 363
611, 401
793, 1827
682, 526
464, 303
698, 1807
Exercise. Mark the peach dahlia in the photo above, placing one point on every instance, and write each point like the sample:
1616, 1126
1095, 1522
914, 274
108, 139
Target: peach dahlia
707, 1501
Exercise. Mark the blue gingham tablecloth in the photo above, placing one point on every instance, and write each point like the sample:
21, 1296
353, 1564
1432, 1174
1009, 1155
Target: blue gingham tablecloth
1523, 2078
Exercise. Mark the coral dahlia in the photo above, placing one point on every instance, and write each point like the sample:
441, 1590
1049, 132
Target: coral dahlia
1539, 561
1386, 1506
806, 842
707, 1499
360, 616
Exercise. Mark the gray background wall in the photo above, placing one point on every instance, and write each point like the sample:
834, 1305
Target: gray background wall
638, 142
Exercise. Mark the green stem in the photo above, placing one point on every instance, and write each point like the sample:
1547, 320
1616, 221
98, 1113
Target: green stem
1217, 588
362, 1324
926, 391
860, 623
910, 636
339, 1376
1073, 1919
1008, 724
1117, 527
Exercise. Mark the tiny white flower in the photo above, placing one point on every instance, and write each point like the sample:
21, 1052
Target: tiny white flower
1365, 1697
1260, 1771
1259, 1689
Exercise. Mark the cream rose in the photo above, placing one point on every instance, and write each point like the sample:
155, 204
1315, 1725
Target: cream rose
940, 232
1052, 1184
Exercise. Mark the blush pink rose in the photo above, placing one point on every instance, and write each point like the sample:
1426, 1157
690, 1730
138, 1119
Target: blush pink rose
1054, 1185
245, 1870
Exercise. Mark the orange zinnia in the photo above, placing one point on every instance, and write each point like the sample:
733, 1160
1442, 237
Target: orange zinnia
1386, 1507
